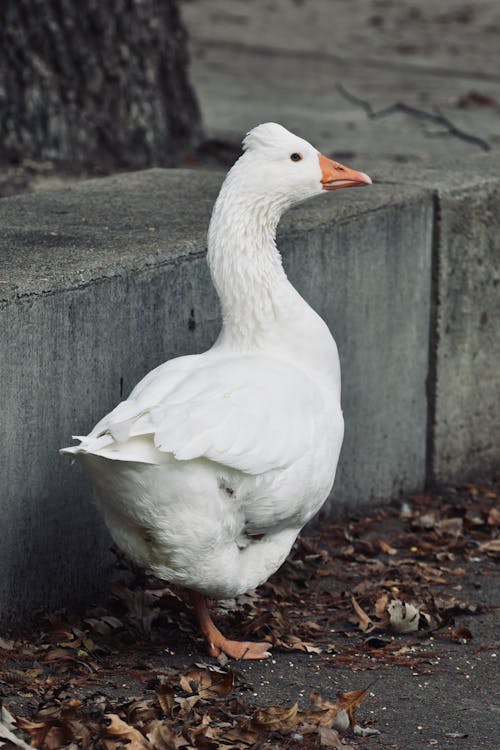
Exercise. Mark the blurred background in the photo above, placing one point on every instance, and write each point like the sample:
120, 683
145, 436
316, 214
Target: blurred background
89, 88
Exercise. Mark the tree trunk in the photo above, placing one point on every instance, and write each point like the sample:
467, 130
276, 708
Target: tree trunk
99, 83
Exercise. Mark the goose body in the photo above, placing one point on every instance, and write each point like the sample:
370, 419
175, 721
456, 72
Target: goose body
207, 472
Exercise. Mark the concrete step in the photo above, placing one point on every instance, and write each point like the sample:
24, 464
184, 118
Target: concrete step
101, 282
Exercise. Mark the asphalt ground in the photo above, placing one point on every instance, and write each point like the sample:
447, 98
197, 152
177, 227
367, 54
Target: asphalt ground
136, 656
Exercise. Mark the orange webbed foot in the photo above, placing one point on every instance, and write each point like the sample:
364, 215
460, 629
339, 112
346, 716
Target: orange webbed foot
218, 644
239, 649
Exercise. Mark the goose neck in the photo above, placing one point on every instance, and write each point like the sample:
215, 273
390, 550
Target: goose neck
246, 265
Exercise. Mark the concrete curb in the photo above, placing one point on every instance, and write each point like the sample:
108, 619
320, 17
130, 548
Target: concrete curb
101, 282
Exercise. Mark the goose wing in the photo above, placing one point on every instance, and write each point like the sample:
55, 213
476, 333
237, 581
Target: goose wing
251, 413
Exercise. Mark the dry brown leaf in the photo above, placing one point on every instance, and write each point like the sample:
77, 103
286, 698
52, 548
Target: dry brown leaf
277, 718
208, 683
163, 737
239, 737
428, 573
186, 705
494, 517
293, 643
461, 635
323, 713
204, 734
141, 605
364, 622
44, 734
99, 626
58, 654
141, 711
447, 605
426, 521
451, 526
350, 701
381, 609
118, 731
491, 548
29, 674
7, 725
47, 737
386, 547
56, 727
166, 699
328, 737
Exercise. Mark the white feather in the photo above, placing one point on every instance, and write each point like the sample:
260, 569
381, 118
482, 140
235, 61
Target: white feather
212, 449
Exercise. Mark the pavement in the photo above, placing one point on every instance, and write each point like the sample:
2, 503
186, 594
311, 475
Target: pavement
285, 60
134, 665
324, 68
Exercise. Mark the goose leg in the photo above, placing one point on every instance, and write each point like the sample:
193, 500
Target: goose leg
217, 643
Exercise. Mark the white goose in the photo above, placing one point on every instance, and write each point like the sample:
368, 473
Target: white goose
207, 472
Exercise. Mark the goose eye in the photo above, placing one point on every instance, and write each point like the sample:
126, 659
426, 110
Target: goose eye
296, 157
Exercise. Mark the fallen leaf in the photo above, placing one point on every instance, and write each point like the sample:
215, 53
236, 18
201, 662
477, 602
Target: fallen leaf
350, 701
117, 733
166, 699
330, 738
364, 731
461, 635
386, 547
56, 726
404, 617
139, 712
452, 526
140, 603
375, 641
364, 622
186, 705
277, 718
447, 605
29, 674
426, 521
208, 683
491, 548
341, 720
7, 724
429, 573
325, 711
240, 738
162, 736
43, 734
294, 643
475, 99
381, 609
494, 517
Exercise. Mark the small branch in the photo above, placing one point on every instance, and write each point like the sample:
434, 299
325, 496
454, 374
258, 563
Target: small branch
435, 117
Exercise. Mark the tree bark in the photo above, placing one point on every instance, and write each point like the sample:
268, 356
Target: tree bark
99, 83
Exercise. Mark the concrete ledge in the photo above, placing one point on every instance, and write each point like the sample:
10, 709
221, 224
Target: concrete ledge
464, 381
102, 282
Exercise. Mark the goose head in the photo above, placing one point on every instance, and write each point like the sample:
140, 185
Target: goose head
278, 167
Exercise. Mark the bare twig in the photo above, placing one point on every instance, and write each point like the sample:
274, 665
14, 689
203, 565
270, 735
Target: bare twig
437, 117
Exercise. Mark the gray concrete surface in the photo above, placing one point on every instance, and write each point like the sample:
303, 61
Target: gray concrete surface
464, 424
102, 282
467, 419
283, 60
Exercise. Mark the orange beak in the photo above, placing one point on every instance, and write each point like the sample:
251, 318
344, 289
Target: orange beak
335, 175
